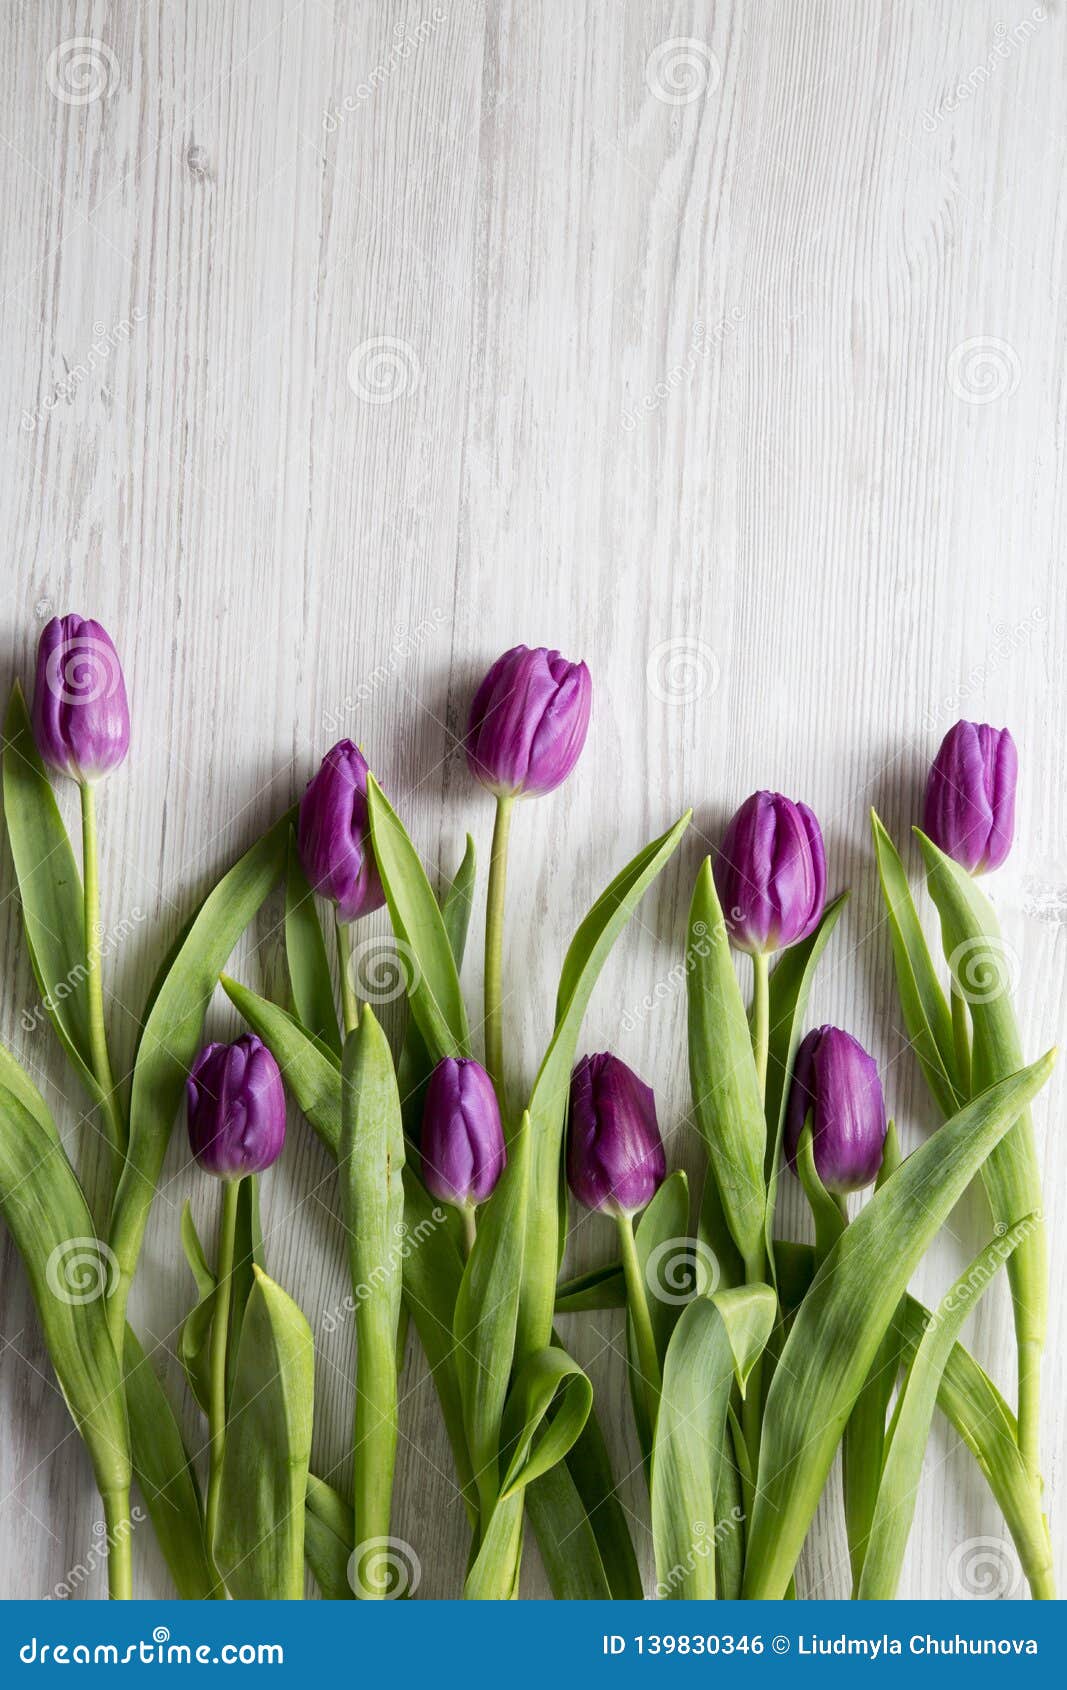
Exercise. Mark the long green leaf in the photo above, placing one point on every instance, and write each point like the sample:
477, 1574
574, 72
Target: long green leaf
305, 953
169, 1043
535, 1441
910, 1430
841, 1322
927, 1018
370, 1169
69, 1270
970, 1403
49, 883
259, 1539
981, 969
586, 1467
716, 1340
726, 1095
166, 1478
586, 955
415, 1063
433, 980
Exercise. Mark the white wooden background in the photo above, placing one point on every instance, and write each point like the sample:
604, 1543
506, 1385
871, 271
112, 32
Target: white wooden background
723, 347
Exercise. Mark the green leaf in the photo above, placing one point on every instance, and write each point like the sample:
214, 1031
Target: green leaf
585, 957
370, 1170
305, 953
433, 980
981, 967
433, 1269
726, 1094
69, 1270
50, 888
667, 1262
535, 1442
843, 1319
910, 1430
973, 1407
863, 1448
166, 1478
415, 1065
716, 1340
588, 1467
328, 1540
829, 1216
600, 1288
312, 1072
565, 1537
170, 1039
194, 1339
790, 987
927, 1018
259, 1539
486, 1316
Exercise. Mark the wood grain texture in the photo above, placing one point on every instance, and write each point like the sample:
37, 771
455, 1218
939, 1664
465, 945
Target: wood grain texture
723, 346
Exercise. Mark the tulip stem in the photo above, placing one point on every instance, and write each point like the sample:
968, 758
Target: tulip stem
119, 1555
470, 1227
220, 1331
94, 982
637, 1302
761, 999
494, 943
349, 1001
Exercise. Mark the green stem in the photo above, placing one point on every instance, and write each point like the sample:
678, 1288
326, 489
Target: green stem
98, 1052
220, 1330
761, 1016
119, 1552
961, 1039
494, 942
349, 1001
756, 1264
637, 1303
1029, 1404
470, 1226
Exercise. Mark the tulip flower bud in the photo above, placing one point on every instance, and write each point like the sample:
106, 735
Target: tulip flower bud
81, 720
462, 1146
236, 1108
970, 795
771, 873
836, 1080
333, 834
528, 722
615, 1159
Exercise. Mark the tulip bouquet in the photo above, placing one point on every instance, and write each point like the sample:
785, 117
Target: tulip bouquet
751, 1358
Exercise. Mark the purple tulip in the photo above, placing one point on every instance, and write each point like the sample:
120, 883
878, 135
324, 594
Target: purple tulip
81, 720
771, 873
970, 795
615, 1159
462, 1146
528, 722
236, 1108
333, 834
836, 1079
